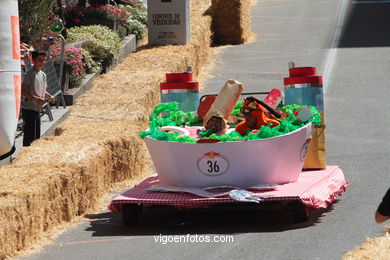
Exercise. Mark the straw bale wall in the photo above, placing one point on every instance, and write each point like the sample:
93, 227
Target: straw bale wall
373, 248
231, 21
63, 176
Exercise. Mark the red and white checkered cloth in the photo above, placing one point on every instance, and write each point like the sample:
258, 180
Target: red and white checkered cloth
313, 188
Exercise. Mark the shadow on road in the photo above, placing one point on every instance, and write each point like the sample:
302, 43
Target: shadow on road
171, 221
367, 25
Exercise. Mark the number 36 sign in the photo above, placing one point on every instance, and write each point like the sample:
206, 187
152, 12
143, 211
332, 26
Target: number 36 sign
213, 164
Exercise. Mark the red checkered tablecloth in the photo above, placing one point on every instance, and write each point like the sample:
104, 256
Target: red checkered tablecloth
313, 188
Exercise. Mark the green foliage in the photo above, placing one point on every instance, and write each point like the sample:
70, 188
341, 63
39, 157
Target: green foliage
108, 12
74, 63
34, 18
99, 54
102, 43
140, 13
138, 19
155, 122
121, 31
91, 65
136, 28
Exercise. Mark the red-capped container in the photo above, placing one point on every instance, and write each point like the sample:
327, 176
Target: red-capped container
304, 87
179, 87
302, 71
179, 77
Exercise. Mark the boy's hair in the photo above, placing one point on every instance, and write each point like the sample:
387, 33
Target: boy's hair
35, 54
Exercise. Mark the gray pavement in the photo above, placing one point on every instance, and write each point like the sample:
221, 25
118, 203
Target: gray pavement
355, 64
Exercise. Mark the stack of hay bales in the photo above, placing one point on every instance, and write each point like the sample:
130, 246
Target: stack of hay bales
63, 176
373, 248
231, 21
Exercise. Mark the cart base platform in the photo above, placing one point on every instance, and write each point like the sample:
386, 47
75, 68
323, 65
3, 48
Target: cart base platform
315, 188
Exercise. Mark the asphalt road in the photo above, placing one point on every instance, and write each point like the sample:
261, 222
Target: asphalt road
355, 63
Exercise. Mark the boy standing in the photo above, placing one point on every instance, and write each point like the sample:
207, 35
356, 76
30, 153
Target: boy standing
34, 92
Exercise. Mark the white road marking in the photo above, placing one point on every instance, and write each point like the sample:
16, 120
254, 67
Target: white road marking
331, 55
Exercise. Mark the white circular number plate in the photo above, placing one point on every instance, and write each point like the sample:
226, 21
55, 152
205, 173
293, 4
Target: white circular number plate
213, 164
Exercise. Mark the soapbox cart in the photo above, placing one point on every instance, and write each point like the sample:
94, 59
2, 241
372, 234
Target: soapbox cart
265, 172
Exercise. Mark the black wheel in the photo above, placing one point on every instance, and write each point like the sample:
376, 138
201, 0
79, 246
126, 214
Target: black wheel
299, 211
131, 214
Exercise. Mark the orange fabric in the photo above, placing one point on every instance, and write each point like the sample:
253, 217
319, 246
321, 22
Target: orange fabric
18, 91
205, 105
15, 38
243, 128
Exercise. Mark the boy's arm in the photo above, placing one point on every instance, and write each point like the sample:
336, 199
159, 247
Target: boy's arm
48, 95
51, 98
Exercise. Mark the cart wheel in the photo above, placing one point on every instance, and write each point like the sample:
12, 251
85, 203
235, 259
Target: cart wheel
299, 211
131, 214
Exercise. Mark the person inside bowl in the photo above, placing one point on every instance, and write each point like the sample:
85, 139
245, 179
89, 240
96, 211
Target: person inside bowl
216, 124
217, 116
255, 116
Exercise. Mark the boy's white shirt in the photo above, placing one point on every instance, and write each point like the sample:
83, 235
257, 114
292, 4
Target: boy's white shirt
40, 84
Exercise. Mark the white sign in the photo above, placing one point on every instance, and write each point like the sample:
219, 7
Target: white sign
168, 22
213, 164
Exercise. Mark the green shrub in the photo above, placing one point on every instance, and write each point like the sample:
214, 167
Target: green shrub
103, 44
138, 19
140, 13
91, 65
135, 27
121, 31
34, 18
99, 54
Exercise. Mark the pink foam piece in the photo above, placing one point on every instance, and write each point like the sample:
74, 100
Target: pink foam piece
274, 97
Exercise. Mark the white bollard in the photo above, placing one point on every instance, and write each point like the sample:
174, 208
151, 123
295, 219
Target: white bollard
10, 78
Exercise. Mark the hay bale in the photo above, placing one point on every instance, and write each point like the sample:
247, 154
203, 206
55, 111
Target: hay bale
373, 248
63, 176
231, 21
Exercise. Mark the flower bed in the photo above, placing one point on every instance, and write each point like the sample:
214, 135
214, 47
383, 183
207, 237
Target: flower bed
102, 43
78, 63
122, 19
74, 64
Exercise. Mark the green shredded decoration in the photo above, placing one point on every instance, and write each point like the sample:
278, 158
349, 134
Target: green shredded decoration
205, 133
174, 117
236, 109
